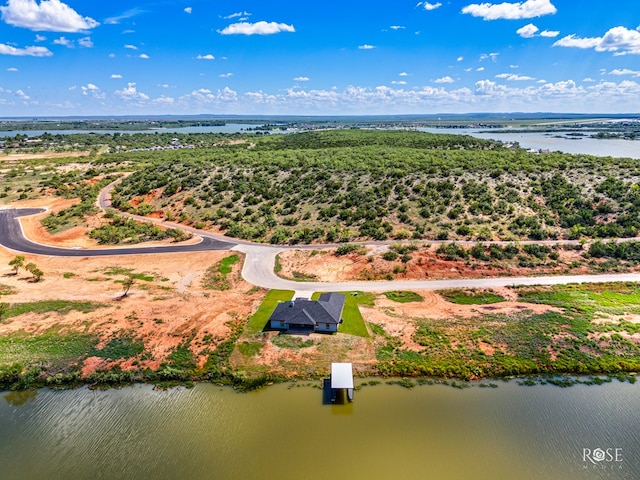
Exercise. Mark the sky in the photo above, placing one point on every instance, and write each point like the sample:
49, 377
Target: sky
73, 57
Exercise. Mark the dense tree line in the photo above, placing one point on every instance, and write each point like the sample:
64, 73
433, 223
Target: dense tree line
358, 184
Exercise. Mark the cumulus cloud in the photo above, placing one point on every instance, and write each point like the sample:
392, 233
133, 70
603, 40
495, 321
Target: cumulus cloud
22, 95
512, 77
131, 93
258, 28
48, 15
302, 79
511, 11
116, 75
208, 56
63, 41
131, 47
40, 38
403, 74
366, 47
528, 31
549, 33
24, 52
93, 90
12, 69
397, 27
625, 71
188, 10
446, 79
619, 40
399, 82
85, 42
459, 59
144, 56
226, 75
429, 6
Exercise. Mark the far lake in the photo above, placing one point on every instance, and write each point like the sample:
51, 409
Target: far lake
389, 432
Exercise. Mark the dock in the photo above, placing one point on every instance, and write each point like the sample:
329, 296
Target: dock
341, 380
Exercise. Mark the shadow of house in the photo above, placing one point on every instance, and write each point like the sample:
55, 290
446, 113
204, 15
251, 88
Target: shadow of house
308, 316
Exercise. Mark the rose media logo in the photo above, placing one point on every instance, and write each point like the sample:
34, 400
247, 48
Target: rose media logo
604, 458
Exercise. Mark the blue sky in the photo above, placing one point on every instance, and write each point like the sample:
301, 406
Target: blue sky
73, 57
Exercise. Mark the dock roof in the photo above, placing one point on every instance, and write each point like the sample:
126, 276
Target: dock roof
341, 375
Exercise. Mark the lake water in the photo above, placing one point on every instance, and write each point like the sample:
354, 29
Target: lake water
428, 432
228, 128
546, 141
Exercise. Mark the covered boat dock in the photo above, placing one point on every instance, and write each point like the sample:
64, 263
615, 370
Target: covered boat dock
341, 380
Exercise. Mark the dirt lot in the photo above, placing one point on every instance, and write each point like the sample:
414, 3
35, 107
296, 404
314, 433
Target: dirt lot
163, 312
323, 265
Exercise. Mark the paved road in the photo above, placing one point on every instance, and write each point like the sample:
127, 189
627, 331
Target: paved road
12, 237
260, 259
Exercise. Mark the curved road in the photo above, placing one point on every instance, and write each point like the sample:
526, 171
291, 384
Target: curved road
12, 237
260, 261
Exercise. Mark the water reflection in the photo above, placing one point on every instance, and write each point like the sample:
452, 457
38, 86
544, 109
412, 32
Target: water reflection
285, 433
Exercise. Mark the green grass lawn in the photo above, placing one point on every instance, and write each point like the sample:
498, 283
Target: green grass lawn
258, 320
401, 296
470, 297
353, 323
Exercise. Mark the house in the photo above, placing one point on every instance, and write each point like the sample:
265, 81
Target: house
301, 315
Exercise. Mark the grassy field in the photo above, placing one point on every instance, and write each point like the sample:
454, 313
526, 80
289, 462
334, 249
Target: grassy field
353, 323
50, 347
402, 296
60, 307
259, 320
470, 297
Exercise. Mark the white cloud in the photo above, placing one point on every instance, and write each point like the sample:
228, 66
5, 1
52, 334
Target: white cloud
528, 31
625, 71
549, 33
24, 52
49, 15
93, 90
446, 79
489, 56
511, 11
188, 10
302, 79
236, 15
204, 95
588, 80
63, 41
131, 93
85, 42
429, 6
366, 47
399, 82
397, 27
112, 55
40, 38
144, 56
514, 66
459, 59
208, 56
126, 15
163, 100
480, 69
403, 74
22, 95
511, 77
619, 40
116, 75
258, 28
226, 75
12, 69
131, 47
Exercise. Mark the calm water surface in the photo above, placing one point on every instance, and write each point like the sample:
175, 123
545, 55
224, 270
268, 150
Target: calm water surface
429, 432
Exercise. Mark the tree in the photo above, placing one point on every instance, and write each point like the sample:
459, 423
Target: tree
127, 283
16, 263
33, 269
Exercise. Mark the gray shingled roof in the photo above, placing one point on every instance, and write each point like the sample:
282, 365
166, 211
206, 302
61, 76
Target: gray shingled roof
328, 309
